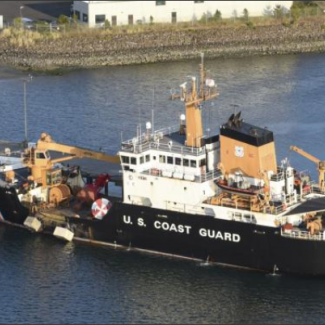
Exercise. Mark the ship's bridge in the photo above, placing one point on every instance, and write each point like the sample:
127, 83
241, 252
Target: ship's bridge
164, 153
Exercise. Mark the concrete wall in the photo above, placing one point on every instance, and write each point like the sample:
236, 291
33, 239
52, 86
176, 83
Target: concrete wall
185, 10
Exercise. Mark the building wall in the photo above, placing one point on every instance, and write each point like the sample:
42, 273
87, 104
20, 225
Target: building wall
185, 10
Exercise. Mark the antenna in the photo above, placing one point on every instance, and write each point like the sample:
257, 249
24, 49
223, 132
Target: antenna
25, 81
153, 111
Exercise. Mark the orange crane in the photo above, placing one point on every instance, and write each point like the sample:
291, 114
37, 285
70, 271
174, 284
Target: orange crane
43, 171
320, 165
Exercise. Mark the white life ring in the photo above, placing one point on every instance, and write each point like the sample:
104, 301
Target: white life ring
100, 208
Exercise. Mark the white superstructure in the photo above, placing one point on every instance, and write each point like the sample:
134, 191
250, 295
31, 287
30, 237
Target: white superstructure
143, 12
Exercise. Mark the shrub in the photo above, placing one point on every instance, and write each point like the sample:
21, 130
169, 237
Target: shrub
63, 20
107, 24
250, 25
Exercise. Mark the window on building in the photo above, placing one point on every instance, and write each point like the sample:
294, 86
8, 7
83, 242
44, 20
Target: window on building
125, 160
77, 13
170, 160
162, 159
160, 3
178, 161
114, 20
193, 164
85, 18
131, 20
100, 19
147, 158
186, 163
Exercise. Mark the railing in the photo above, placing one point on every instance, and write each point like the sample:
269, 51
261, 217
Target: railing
152, 142
304, 235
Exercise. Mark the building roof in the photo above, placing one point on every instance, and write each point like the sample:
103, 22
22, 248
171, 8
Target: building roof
35, 10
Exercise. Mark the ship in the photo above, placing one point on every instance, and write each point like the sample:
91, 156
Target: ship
221, 198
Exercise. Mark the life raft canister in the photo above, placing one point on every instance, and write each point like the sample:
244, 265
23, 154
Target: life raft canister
100, 208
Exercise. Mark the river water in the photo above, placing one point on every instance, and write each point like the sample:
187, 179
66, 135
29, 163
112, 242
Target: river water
45, 281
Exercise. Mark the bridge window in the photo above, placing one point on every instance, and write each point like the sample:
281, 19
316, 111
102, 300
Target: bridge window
186, 163
193, 164
160, 3
170, 160
125, 160
141, 160
178, 161
133, 161
147, 158
162, 159
203, 163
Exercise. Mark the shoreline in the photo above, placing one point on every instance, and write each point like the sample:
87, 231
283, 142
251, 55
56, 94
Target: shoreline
84, 50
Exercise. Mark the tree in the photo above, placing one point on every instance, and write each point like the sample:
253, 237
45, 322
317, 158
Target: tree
217, 15
234, 14
107, 24
268, 12
246, 15
278, 12
18, 22
63, 20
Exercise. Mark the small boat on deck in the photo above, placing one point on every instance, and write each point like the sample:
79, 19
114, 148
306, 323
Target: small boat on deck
248, 192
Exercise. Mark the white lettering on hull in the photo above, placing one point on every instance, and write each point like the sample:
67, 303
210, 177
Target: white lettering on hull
183, 229
218, 235
165, 226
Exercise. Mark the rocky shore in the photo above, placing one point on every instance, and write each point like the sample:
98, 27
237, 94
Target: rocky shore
110, 49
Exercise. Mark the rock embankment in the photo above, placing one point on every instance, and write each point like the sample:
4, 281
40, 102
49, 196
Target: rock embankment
85, 50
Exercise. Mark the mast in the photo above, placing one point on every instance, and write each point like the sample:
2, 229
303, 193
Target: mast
193, 99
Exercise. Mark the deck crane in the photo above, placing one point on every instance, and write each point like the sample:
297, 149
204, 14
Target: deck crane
320, 165
44, 170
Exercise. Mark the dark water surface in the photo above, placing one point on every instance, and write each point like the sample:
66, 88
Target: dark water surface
43, 280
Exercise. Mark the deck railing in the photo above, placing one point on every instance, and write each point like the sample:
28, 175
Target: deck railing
304, 235
145, 143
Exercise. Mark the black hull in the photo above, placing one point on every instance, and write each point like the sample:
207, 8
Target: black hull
231, 243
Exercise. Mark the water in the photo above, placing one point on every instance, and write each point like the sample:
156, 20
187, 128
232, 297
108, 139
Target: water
45, 281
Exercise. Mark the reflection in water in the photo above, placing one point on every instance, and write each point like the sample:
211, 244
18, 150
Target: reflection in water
44, 280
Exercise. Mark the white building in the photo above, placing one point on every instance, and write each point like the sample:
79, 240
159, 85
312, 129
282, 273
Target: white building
134, 12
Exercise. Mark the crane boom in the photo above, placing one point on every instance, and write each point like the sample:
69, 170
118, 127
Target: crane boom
75, 152
39, 161
320, 166
305, 154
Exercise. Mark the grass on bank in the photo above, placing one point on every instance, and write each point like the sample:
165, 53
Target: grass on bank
19, 37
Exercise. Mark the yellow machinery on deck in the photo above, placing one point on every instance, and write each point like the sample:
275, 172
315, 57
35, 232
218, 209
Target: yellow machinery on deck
320, 165
43, 171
